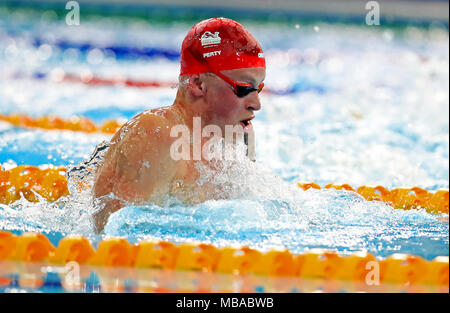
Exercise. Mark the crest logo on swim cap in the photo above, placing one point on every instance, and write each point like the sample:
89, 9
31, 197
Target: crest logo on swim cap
209, 38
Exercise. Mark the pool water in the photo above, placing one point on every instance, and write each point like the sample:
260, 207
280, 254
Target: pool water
349, 104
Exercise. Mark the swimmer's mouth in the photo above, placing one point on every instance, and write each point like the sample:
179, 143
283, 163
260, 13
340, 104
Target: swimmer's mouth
246, 124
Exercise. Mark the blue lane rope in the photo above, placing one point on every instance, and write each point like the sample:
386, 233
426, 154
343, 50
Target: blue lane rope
119, 51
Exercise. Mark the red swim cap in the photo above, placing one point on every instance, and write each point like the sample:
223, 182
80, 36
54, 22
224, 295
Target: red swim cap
219, 44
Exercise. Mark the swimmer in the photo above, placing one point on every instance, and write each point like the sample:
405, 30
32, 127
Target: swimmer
222, 72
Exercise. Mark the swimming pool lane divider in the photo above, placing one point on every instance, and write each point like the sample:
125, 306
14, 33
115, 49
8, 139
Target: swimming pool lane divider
75, 123
89, 79
120, 51
401, 270
50, 183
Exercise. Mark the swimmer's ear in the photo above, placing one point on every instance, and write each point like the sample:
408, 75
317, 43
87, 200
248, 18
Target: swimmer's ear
196, 85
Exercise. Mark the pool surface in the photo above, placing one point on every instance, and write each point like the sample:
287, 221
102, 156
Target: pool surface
349, 104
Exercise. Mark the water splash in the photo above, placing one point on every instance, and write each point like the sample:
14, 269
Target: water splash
256, 207
80, 177
71, 214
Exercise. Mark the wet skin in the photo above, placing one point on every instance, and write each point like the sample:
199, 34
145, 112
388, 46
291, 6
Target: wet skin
138, 167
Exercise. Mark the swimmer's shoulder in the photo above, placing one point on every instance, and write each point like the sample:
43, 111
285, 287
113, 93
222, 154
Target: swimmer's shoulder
139, 159
161, 119
155, 123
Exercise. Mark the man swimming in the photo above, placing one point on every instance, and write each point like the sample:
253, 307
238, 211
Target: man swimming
222, 73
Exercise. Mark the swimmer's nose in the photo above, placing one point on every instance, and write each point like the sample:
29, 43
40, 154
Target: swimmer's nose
252, 102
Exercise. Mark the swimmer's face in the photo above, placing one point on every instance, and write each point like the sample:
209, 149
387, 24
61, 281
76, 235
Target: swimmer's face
223, 107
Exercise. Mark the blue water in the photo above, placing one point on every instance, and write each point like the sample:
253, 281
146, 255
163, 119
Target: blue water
338, 225
355, 105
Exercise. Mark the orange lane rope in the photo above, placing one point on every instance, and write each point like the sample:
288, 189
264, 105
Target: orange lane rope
51, 184
27, 181
75, 123
316, 263
400, 198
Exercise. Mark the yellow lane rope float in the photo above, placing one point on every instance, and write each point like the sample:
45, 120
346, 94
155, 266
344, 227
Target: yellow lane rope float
75, 123
50, 183
400, 269
400, 198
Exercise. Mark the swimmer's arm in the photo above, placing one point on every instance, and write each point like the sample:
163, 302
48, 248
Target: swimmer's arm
103, 187
138, 165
